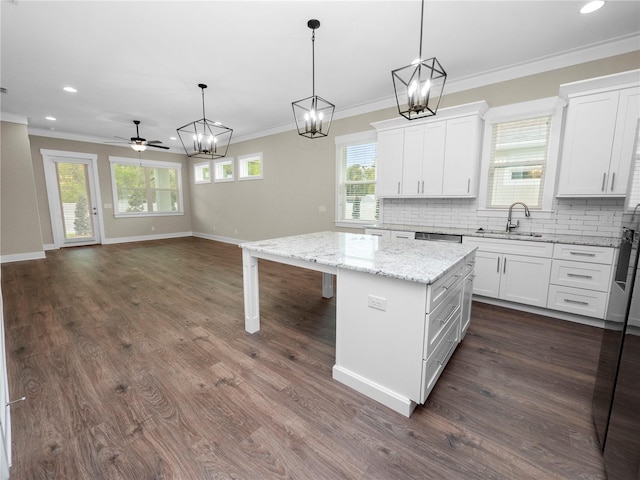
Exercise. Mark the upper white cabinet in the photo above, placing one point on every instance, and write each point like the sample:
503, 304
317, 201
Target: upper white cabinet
599, 138
439, 157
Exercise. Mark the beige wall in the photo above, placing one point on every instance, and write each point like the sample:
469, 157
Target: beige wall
114, 228
299, 174
20, 235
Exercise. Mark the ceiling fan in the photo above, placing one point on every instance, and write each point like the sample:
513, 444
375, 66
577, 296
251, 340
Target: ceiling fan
140, 144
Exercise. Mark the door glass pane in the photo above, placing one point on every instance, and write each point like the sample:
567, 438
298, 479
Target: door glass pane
73, 183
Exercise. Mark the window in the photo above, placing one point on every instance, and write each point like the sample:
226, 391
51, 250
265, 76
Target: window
202, 172
520, 154
356, 201
518, 162
146, 187
250, 167
223, 170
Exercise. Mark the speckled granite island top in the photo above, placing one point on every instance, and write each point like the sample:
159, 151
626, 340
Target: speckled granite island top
423, 262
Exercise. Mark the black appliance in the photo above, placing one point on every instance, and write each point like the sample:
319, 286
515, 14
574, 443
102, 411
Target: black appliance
616, 397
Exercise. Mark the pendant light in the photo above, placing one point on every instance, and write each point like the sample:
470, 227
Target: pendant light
419, 86
313, 115
204, 138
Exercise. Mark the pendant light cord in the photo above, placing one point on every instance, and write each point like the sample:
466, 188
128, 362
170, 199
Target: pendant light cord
421, 23
313, 62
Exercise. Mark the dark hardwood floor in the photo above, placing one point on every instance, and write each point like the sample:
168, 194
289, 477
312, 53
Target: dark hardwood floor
136, 365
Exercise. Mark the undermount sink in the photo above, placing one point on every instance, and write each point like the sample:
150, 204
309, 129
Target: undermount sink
509, 234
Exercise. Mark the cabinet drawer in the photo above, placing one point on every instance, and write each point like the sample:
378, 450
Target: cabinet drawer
584, 253
434, 365
437, 291
441, 318
592, 276
403, 234
577, 300
377, 232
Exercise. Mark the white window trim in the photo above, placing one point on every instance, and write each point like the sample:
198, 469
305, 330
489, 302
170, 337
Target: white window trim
215, 169
242, 158
551, 106
195, 176
368, 136
145, 163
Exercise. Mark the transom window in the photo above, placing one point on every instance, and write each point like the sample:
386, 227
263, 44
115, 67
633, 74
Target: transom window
250, 167
146, 187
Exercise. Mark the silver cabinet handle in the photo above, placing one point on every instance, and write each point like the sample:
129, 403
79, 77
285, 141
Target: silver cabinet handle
498, 267
578, 275
468, 185
568, 300
613, 180
398, 188
418, 187
422, 186
504, 270
583, 254
448, 316
455, 279
604, 180
453, 344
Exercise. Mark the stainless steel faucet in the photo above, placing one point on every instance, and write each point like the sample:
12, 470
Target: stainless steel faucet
511, 226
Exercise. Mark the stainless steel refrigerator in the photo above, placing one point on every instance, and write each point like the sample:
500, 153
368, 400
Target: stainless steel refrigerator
616, 398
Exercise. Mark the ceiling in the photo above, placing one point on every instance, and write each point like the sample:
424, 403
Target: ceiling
143, 60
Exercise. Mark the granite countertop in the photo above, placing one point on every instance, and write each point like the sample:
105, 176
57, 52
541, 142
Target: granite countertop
423, 262
473, 232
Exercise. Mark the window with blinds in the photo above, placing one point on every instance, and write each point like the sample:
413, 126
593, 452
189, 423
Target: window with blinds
518, 161
357, 201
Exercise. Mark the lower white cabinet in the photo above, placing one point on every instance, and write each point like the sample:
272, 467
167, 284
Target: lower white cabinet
580, 279
406, 339
509, 276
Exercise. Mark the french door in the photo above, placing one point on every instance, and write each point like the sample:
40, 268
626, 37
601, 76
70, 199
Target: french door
72, 190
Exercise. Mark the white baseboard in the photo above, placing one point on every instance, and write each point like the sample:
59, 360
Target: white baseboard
393, 400
50, 246
19, 257
144, 238
592, 322
218, 238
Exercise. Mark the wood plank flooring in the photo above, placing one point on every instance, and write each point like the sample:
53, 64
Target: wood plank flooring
136, 365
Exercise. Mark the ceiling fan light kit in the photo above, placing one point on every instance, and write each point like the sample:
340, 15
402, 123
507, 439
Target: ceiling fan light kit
313, 114
204, 138
419, 86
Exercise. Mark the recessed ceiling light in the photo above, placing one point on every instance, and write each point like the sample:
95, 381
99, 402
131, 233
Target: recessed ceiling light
69, 89
172, 138
592, 6
50, 118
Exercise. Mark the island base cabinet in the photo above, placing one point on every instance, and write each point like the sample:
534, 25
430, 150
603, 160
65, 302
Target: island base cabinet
434, 365
380, 329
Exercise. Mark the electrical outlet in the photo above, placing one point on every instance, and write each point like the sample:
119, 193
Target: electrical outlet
378, 303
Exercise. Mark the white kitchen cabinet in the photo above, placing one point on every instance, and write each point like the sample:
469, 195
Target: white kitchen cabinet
438, 157
402, 234
599, 139
510, 276
389, 163
580, 279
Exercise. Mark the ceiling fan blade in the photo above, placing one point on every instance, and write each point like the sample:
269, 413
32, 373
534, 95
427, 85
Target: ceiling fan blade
121, 138
158, 146
153, 141
128, 143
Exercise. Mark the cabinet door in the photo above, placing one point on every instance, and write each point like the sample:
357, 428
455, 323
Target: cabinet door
487, 281
465, 317
433, 161
389, 164
461, 157
624, 141
412, 163
525, 279
588, 142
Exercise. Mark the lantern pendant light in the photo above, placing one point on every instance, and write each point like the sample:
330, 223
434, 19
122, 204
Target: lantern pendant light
418, 86
313, 114
204, 138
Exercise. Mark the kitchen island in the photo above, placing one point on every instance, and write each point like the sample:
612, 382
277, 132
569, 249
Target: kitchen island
401, 307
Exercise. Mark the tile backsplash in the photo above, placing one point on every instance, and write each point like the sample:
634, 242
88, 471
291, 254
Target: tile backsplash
591, 217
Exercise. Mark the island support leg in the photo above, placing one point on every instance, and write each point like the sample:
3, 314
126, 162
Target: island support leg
251, 292
327, 285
